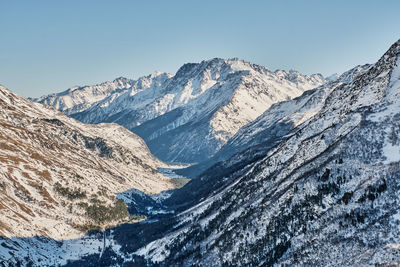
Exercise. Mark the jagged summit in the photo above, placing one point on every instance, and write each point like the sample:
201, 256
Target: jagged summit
121, 79
326, 194
209, 100
394, 49
275, 124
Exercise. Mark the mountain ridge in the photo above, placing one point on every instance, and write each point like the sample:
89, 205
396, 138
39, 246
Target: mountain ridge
274, 123
210, 100
53, 168
330, 189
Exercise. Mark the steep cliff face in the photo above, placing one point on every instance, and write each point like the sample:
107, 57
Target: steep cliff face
54, 168
189, 116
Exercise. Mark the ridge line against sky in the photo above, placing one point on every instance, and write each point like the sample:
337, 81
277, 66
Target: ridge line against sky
49, 46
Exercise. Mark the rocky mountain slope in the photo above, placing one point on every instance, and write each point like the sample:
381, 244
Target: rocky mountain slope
58, 175
325, 196
77, 99
273, 126
187, 117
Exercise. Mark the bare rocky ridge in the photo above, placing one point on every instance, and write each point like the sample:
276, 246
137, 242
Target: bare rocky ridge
53, 168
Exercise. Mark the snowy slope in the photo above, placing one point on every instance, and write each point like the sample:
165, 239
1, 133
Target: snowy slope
272, 127
189, 116
51, 166
293, 112
77, 98
325, 196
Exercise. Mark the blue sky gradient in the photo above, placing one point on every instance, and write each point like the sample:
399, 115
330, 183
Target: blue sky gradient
49, 46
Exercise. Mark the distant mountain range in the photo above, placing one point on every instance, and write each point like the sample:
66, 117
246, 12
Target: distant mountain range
189, 116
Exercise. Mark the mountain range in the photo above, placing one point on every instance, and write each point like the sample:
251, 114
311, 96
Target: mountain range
291, 170
186, 117
326, 195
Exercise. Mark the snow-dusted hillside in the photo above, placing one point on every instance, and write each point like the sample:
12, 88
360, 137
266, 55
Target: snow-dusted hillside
325, 196
189, 116
274, 125
53, 168
77, 98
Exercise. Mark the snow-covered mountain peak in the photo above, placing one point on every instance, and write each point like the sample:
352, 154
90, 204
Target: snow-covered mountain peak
197, 70
219, 95
159, 76
121, 81
325, 193
220, 65
155, 79
79, 98
364, 85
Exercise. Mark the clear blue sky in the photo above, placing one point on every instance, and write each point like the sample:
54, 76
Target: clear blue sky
49, 46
